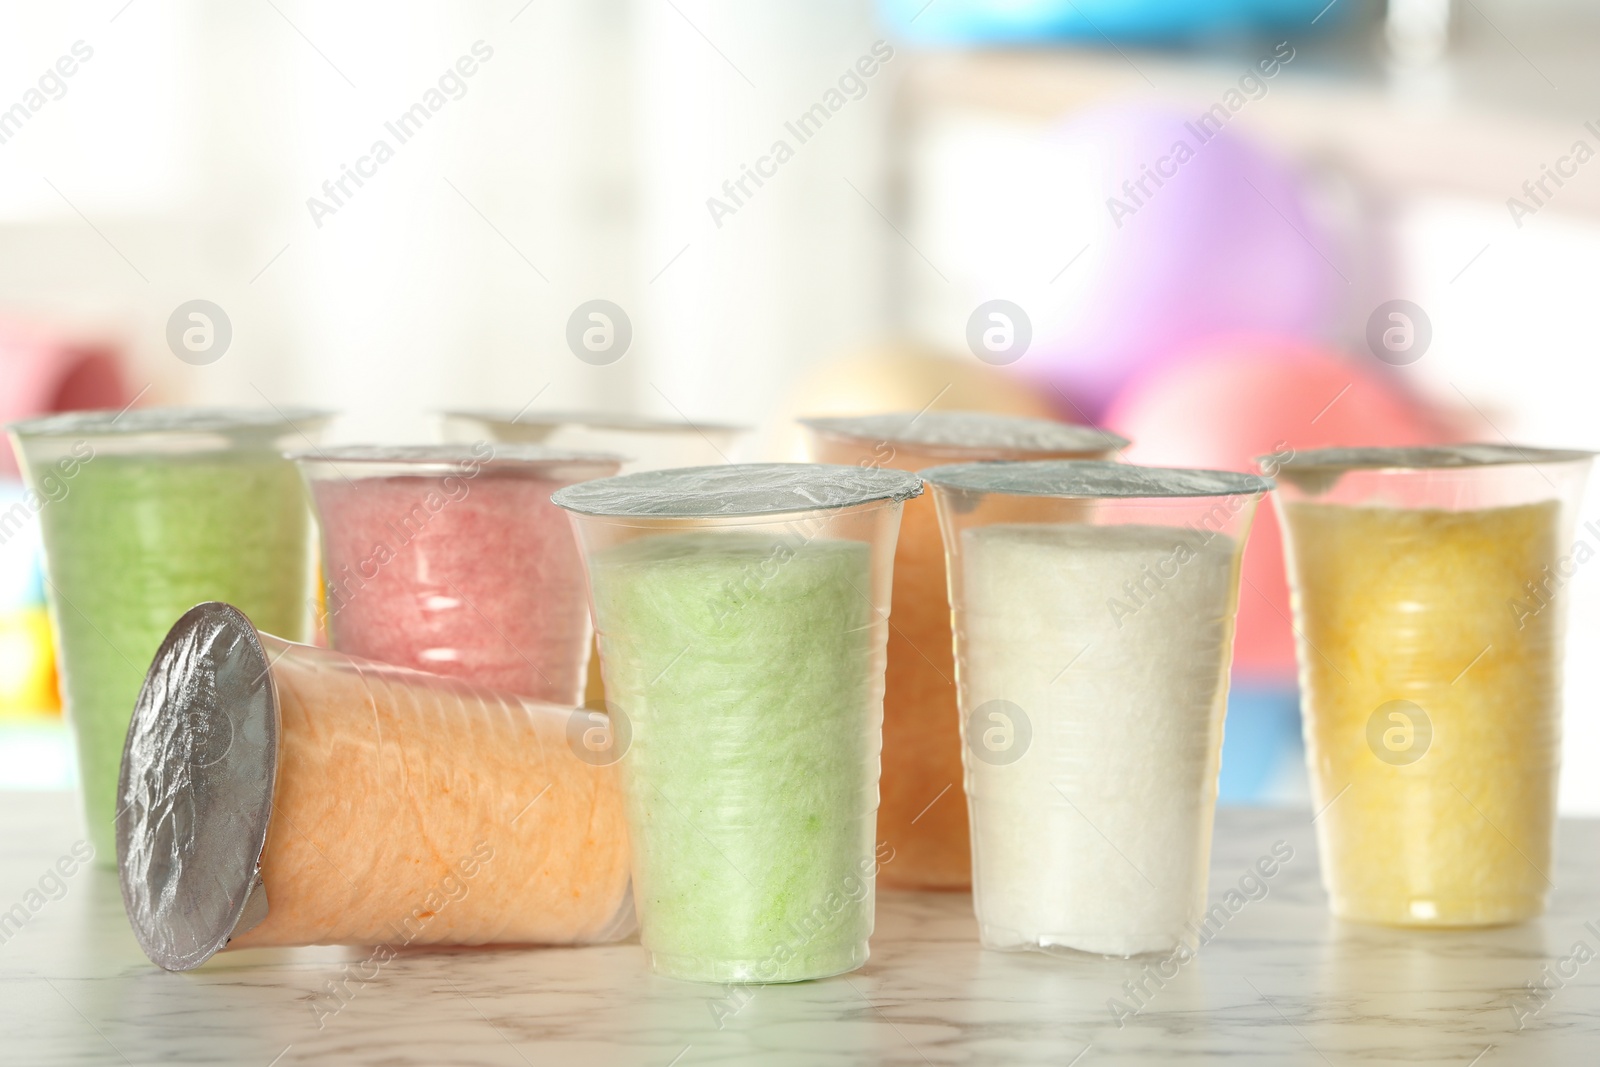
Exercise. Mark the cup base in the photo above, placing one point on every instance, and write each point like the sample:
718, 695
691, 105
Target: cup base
1435, 912
100, 832
820, 962
1112, 945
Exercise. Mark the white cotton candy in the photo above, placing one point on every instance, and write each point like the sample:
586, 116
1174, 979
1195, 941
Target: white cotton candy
1114, 643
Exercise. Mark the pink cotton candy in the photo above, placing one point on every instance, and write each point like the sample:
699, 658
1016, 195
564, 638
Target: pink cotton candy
475, 575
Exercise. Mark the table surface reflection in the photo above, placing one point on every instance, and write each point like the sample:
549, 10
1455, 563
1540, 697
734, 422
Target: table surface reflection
1281, 983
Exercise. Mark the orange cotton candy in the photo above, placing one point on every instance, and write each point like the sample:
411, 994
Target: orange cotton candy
415, 810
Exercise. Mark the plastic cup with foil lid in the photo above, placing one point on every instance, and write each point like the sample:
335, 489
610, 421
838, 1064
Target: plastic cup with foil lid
278, 794
923, 811
742, 614
145, 513
1430, 596
1094, 609
452, 559
647, 443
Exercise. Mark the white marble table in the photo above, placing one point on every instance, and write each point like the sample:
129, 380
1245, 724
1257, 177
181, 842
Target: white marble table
1282, 983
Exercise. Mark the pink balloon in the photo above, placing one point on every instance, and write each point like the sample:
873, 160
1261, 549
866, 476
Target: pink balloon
42, 371
1225, 405
1222, 246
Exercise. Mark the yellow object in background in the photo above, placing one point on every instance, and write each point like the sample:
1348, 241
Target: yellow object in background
27, 664
1433, 707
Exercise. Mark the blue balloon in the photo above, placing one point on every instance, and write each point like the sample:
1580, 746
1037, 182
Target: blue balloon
979, 22
1262, 749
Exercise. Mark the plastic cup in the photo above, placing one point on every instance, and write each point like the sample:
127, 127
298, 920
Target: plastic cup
1428, 590
645, 444
742, 616
452, 559
923, 812
144, 514
1094, 610
277, 794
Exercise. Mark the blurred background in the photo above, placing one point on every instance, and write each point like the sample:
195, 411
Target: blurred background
1222, 228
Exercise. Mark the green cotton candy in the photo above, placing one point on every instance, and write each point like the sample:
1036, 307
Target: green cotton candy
749, 667
137, 541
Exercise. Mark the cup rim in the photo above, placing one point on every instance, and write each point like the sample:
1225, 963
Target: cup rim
131, 422
1094, 480
592, 420
963, 432
1423, 457
737, 491
529, 460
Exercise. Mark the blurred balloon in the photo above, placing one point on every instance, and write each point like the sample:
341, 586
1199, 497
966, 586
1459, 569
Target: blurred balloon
1191, 233
43, 371
1229, 402
1018, 21
1263, 760
901, 376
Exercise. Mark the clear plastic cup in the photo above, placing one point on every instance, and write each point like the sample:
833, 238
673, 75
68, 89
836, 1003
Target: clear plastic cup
273, 793
923, 811
144, 514
742, 615
647, 444
451, 559
1094, 610
1429, 612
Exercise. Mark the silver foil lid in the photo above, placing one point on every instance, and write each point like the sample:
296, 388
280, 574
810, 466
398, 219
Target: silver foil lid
170, 420
962, 430
195, 794
503, 458
597, 420
736, 490
1093, 479
1426, 457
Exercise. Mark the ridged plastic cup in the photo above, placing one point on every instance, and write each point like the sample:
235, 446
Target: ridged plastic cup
1429, 602
923, 813
451, 559
742, 617
147, 513
1094, 614
273, 793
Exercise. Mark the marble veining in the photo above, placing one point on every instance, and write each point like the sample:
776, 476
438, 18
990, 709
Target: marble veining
1280, 983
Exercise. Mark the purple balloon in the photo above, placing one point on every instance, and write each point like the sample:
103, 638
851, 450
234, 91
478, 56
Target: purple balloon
1205, 235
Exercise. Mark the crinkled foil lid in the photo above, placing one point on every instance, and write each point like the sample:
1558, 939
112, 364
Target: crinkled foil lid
737, 489
168, 420
195, 793
969, 429
450, 455
598, 420
1093, 478
1431, 457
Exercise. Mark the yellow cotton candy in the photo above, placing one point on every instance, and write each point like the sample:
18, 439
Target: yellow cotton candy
1431, 680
